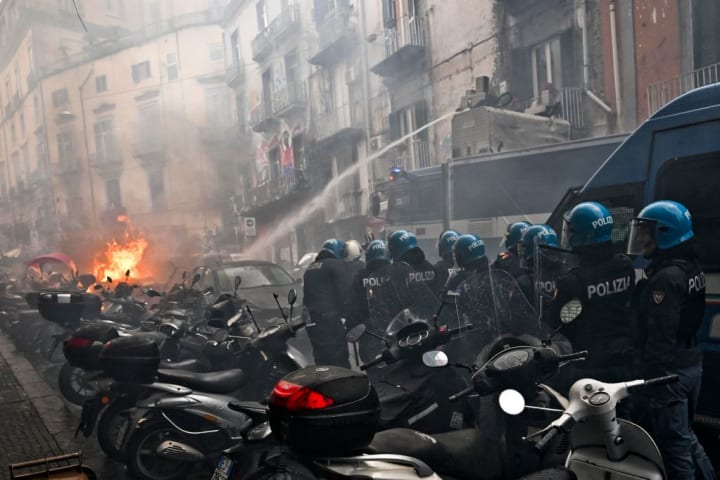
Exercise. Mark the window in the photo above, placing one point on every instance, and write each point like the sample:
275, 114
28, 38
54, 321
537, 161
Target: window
101, 83
172, 66
42, 158
692, 181
217, 105
261, 12
546, 66
141, 71
105, 140
13, 133
216, 52
36, 107
15, 162
23, 131
66, 147
155, 13
156, 183
112, 194
60, 97
26, 160
235, 47
149, 123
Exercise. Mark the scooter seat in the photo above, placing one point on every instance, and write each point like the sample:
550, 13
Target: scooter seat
189, 365
460, 453
209, 382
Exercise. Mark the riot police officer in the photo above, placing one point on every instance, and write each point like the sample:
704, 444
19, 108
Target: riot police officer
669, 312
370, 282
325, 288
353, 257
509, 260
533, 287
412, 276
603, 283
469, 253
445, 267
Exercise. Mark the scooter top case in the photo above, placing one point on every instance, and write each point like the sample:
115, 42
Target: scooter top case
324, 410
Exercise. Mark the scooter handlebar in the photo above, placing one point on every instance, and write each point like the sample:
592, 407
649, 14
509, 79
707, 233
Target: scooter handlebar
461, 394
570, 357
561, 425
375, 361
655, 381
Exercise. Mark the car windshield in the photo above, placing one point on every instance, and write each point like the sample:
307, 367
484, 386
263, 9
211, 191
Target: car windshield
253, 276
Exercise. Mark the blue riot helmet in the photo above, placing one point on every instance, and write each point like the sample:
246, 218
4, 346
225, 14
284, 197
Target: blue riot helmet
335, 247
445, 243
659, 226
377, 252
589, 223
533, 236
401, 242
513, 234
468, 249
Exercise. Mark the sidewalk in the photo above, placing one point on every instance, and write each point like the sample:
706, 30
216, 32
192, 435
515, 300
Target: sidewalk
35, 421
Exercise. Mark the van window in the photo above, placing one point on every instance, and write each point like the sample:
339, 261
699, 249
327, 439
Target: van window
692, 181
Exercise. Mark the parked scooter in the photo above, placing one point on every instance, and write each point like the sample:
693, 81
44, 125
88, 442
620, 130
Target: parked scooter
175, 428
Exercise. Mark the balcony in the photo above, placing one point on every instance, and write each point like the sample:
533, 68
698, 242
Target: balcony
661, 93
235, 73
287, 22
228, 136
261, 45
565, 103
336, 36
262, 118
404, 47
414, 154
349, 206
289, 99
275, 189
108, 163
342, 125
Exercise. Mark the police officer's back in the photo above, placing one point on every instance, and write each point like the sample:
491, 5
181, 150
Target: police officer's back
445, 267
670, 309
367, 288
325, 288
603, 283
509, 260
412, 276
353, 257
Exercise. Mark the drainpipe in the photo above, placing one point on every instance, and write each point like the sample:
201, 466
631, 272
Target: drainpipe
582, 13
51, 180
87, 146
616, 68
366, 90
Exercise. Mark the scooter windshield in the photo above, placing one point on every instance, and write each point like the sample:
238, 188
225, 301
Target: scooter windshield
399, 297
494, 307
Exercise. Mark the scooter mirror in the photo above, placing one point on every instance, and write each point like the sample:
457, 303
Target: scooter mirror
570, 311
292, 296
511, 402
152, 293
209, 291
238, 281
355, 333
435, 358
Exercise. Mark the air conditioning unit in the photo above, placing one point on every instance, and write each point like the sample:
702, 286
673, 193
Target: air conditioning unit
377, 143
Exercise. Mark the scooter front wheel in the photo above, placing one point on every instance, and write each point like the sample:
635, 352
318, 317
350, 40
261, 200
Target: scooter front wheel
75, 384
113, 428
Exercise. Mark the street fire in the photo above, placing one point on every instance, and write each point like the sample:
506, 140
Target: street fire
122, 255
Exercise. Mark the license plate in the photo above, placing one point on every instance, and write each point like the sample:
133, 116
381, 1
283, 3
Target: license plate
223, 468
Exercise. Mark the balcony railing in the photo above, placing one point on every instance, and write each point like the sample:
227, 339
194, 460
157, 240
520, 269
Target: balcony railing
294, 94
345, 119
68, 167
261, 45
404, 46
235, 73
335, 35
151, 145
287, 20
349, 205
661, 93
260, 116
415, 154
275, 188
105, 158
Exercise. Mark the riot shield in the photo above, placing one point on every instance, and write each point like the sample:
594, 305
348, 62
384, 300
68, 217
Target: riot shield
550, 264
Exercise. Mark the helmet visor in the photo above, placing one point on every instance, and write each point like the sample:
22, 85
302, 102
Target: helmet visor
642, 237
566, 235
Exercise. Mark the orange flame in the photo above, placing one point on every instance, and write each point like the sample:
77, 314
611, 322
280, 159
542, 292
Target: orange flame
121, 256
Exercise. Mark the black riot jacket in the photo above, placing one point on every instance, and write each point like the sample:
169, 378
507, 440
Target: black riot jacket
325, 285
669, 311
371, 279
444, 269
509, 262
603, 282
413, 283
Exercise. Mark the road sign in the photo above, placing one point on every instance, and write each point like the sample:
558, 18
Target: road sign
250, 230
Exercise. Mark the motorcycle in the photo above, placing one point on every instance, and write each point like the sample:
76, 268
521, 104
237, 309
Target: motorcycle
493, 308
174, 426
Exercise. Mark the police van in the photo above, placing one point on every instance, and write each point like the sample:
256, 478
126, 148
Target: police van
674, 155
